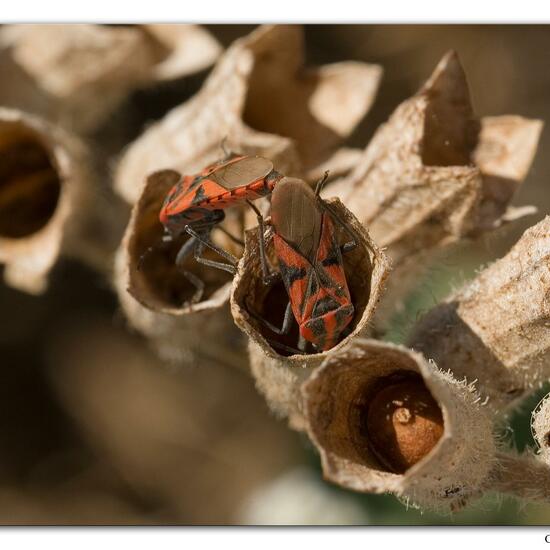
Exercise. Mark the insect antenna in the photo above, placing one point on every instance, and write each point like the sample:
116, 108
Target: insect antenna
227, 152
320, 184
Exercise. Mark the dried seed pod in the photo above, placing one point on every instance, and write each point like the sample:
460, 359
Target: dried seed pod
45, 197
187, 49
153, 291
279, 374
338, 165
80, 72
504, 153
434, 174
521, 475
386, 420
309, 111
540, 427
496, 329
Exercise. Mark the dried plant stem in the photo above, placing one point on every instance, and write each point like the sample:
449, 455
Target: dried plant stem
520, 475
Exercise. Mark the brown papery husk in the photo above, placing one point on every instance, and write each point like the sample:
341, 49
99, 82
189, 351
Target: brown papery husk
496, 329
540, 427
278, 376
335, 397
434, 174
262, 101
47, 203
77, 74
187, 49
153, 295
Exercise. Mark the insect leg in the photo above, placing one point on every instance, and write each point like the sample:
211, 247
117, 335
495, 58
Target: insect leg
201, 242
186, 249
302, 344
284, 347
227, 152
287, 321
350, 245
321, 183
268, 275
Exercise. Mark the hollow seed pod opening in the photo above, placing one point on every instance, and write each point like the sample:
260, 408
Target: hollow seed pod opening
401, 420
386, 420
45, 181
29, 181
155, 294
278, 369
540, 427
155, 279
365, 269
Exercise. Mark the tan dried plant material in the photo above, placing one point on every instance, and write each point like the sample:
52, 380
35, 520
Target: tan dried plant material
523, 476
496, 329
156, 296
434, 174
527, 475
278, 373
187, 49
45, 192
540, 427
80, 72
263, 102
384, 419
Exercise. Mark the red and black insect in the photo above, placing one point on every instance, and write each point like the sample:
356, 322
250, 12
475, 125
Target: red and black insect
196, 204
309, 255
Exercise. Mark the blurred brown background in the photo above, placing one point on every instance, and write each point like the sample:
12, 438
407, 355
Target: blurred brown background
94, 429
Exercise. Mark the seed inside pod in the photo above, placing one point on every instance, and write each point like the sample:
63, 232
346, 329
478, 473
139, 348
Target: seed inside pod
403, 423
29, 184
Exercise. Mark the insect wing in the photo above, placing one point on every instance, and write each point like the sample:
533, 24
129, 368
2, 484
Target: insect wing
296, 217
218, 164
242, 172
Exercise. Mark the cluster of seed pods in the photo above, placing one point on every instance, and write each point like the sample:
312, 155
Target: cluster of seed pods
258, 239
